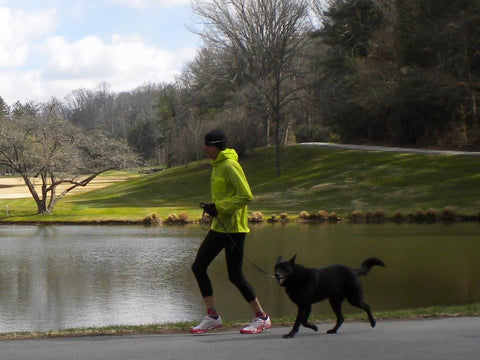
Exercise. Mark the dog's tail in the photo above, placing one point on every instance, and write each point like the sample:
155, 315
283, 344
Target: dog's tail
367, 265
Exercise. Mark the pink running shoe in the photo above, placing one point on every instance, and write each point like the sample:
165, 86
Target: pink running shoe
257, 326
208, 324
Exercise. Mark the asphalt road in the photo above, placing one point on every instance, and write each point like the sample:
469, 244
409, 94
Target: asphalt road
438, 339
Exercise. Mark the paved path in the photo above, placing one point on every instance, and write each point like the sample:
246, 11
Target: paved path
393, 149
440, 339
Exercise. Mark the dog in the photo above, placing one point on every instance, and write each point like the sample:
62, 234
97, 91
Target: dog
306, 286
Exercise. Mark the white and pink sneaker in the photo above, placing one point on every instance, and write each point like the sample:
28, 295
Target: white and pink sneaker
257, 325
208, 324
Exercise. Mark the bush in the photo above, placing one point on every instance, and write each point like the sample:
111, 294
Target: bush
448, 214
431, 215
322, 215
257, 217
303, 215
313, 133
152, 219
397, 216
333, 217
419, 215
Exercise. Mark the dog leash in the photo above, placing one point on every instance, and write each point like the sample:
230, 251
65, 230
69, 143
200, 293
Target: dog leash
202, 205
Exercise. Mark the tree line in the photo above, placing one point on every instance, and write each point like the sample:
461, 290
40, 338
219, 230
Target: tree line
271, 72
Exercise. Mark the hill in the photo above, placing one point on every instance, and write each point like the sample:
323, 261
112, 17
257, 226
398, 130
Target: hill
313, 178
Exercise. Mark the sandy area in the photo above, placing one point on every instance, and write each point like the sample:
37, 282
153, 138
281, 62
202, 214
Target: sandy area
14, 187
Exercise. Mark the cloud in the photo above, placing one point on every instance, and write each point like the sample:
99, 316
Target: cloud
18, 30
143, 4
38, 62
123, 62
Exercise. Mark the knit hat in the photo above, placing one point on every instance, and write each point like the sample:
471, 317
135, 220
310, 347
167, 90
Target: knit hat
216, 138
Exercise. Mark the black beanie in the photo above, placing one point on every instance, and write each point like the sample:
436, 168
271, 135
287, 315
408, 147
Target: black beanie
216, 138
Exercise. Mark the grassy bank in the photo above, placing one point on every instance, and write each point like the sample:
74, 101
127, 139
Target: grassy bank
421, 313
313, 178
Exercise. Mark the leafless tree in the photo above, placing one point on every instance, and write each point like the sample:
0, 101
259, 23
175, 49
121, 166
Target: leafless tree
263, 37
48, 151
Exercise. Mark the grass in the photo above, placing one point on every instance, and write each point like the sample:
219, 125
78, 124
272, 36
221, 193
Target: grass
313, 178
183, 327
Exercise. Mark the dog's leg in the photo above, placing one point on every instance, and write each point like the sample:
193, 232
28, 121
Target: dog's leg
296, 325
305, 319
337, 309
358, 302
366, 307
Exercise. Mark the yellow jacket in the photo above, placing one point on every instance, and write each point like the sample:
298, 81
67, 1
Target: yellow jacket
230, 193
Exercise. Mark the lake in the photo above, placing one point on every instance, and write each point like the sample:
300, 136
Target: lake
54, 277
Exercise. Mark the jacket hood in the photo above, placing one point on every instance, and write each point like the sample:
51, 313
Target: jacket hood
224, 155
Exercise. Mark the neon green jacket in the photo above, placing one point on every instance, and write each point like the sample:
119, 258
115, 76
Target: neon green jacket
230, 193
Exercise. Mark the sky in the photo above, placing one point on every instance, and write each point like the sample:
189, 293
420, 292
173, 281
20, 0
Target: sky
48, 48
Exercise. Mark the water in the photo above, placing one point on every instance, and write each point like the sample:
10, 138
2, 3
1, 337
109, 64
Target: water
78, 276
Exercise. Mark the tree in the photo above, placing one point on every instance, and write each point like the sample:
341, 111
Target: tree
4, 108
349, 86
350, 24
443, 38
43, 145
263, 38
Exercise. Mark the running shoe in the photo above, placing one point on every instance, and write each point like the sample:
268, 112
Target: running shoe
208, 324
257, 325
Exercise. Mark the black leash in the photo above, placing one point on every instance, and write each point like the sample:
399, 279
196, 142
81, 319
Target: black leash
202, 205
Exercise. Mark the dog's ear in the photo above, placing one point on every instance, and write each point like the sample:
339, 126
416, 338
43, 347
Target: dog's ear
280, 259
292, 260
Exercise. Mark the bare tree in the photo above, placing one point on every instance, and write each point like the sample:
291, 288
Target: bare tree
264, 39
46, 150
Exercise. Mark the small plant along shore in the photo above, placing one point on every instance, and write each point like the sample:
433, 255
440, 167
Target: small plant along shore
447, 215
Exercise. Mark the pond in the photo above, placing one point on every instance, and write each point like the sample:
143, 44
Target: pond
54, 277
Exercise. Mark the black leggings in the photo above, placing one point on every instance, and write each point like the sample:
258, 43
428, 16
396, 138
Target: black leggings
211, 246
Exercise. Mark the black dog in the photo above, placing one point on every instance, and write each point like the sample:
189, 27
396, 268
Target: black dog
306, 286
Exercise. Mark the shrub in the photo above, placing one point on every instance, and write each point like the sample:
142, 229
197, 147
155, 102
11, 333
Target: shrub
256, 217
356, 214
304, 215
410, 217
183, 218
448, 214
314, 133
322, 215
152, 219
419, 215
379, 216
431, 215
333, 217
397, 216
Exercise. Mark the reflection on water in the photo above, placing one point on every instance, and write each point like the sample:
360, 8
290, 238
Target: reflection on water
79, 276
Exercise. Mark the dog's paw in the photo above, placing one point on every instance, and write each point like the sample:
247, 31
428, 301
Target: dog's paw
289, 335
332, 331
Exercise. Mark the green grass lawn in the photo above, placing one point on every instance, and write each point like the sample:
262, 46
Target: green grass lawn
313, 178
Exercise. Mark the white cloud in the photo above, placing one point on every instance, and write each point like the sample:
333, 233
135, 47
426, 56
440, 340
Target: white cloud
18, 30
143, 4
21, 86
124, 63
37, 63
